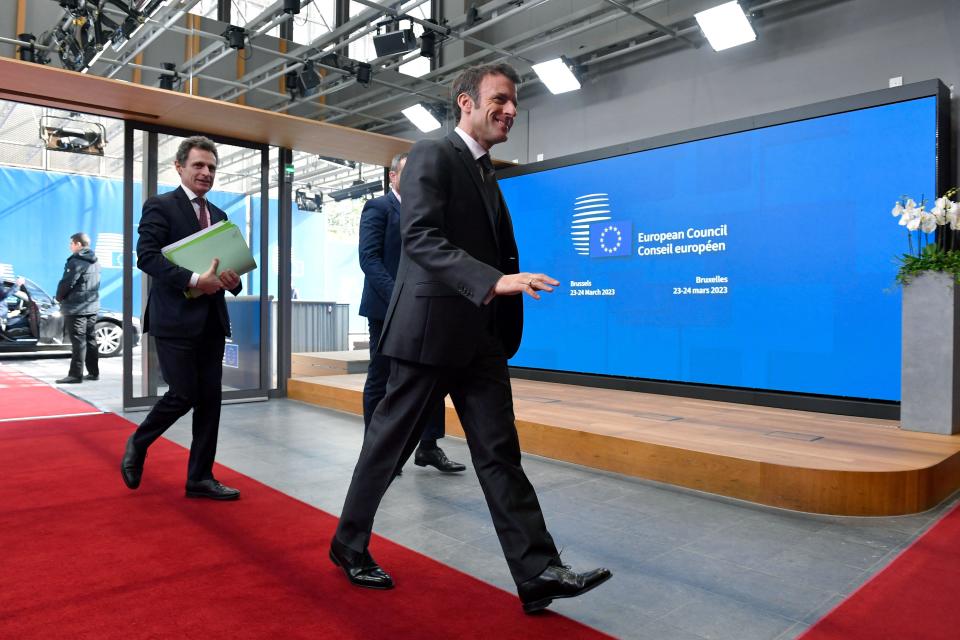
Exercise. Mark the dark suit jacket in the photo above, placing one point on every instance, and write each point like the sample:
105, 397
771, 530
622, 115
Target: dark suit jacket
379, 253
455, 248
167, 218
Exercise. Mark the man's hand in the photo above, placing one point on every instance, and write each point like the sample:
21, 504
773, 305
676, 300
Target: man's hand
529, 283
209, 282
229, 279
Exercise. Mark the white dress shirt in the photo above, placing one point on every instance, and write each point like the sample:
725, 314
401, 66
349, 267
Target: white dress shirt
475, 147
192, 197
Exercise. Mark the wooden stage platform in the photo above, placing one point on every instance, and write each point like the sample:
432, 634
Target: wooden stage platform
797, 460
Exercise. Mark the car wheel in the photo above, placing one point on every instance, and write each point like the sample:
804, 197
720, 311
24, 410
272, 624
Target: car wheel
109, 339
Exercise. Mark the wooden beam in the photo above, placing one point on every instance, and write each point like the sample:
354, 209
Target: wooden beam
192, 48
241, 70
137, 71
54, 87
21, 17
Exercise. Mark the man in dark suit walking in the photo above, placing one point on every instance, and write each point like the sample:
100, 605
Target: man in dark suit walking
454, 319
189, 330
379, 258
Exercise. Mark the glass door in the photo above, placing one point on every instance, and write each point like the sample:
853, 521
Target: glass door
241, 189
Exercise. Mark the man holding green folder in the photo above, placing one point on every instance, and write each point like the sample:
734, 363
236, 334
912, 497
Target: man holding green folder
187, 316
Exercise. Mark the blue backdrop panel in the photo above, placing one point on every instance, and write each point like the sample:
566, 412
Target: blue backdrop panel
790, 285
40, 210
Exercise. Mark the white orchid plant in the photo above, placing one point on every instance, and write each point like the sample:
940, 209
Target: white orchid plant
925, 254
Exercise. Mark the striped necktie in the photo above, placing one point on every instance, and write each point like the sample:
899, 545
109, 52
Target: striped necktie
204, 216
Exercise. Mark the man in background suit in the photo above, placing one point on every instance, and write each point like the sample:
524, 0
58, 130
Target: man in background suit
379, 258
454, 319
189, 332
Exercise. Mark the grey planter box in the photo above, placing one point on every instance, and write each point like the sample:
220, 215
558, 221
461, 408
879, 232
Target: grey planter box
930, 386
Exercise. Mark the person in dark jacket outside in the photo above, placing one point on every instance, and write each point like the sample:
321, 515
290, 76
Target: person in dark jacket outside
79, 296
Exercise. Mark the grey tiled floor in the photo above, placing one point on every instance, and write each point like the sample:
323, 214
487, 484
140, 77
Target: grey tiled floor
687, 565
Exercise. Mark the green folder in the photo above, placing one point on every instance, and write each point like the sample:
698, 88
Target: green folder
222, 240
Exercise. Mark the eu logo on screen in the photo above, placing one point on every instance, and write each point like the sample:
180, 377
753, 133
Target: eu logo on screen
610, 238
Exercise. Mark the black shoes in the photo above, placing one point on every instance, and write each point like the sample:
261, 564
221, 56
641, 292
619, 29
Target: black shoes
436, 458
77, 379
558, 582
360, 568
211, 489
131, 466
131, 469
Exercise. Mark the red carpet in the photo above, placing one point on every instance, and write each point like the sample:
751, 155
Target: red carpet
81, 556
914, 597
27, 397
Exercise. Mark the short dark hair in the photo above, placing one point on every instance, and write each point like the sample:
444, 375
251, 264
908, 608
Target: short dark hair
80, 238
195, 142
468, 82
397, 159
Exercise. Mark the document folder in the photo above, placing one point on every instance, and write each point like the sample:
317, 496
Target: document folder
222, 240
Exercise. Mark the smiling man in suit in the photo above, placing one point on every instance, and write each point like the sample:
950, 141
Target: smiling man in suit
454, 319
189, 330
379, 258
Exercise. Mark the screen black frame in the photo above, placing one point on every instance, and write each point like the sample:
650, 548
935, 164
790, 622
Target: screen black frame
743, 395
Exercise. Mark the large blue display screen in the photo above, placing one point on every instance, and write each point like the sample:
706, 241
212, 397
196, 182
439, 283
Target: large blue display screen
763, 259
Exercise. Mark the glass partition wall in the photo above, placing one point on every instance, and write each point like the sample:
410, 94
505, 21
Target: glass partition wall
241, 189
325, 274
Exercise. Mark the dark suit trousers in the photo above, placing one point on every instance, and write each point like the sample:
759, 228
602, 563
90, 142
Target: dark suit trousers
83, 343
376, 386
483, 399
193, 369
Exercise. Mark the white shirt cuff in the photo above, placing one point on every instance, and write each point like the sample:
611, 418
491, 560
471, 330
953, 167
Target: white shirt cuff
194, 279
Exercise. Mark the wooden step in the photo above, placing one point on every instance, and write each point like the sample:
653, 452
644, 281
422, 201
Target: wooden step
330, 363
797, 460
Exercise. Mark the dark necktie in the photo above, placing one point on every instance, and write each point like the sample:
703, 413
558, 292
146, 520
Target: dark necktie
204, 216
486, 168
489, 177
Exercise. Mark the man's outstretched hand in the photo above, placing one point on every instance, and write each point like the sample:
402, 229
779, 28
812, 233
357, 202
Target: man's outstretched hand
529, 283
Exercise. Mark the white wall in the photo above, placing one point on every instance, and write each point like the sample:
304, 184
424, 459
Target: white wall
849, 47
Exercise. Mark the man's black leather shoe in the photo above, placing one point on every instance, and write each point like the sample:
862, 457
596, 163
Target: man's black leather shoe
558, 582
211, 489
360, 568
70, 380
91, 377
436, 458
131, 465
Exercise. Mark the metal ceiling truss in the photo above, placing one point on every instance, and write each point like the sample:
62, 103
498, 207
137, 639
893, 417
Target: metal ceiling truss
332, 42
589, 60
341, 99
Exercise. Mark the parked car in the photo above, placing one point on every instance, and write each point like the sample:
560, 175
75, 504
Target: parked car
34, 323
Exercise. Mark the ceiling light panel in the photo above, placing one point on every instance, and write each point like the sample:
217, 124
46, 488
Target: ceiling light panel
557, 76
725, 26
